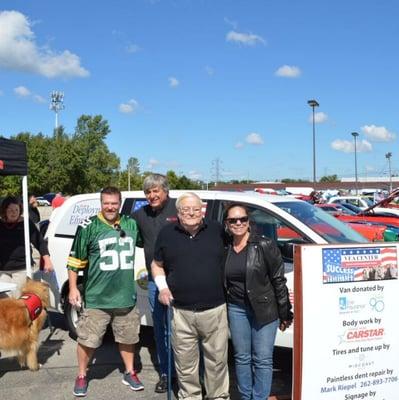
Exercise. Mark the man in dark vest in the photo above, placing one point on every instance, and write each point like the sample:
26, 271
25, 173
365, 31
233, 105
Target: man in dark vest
150, 219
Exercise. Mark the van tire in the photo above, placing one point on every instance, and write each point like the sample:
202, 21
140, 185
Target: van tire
71, 314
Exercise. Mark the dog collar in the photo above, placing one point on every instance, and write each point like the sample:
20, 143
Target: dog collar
33, 304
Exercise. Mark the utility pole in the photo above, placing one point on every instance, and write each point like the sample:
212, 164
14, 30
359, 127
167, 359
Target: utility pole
216, 167
355, 136
313, 103
388, 157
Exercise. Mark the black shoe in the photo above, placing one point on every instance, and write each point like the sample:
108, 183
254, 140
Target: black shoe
162, 385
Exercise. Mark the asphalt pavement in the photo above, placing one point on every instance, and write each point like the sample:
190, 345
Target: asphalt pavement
57, 355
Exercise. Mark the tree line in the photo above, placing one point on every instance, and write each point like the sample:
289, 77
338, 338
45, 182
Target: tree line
79, 163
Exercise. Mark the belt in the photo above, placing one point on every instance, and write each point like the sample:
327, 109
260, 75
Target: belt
196, 308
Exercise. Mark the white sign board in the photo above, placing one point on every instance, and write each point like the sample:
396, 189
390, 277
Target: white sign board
349, 343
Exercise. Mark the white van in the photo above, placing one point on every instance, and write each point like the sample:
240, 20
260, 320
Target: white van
287, 220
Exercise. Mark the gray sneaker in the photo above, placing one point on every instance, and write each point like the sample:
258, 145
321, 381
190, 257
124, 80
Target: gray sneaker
131, 379
80, 388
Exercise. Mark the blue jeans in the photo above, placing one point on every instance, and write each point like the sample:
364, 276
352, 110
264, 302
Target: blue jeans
159, 319
253, 352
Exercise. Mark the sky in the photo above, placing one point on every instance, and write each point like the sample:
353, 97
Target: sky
211, 88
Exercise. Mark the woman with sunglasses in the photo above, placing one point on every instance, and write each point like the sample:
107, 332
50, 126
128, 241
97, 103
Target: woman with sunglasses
258, 303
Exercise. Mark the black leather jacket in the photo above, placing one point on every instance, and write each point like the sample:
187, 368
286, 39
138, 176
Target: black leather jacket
265, 282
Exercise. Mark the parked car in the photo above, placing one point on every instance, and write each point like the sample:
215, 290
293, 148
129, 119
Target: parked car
287, 220
372, 231
364, 204
49, 197
41, 201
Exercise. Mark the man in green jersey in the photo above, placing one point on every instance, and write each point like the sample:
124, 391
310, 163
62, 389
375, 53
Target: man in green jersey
103, 249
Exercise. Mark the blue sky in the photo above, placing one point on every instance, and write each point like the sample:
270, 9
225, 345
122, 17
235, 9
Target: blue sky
191, 84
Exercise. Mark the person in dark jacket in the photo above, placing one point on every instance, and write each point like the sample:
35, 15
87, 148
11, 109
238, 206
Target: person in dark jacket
258, 303
160, 211
12, 244
33, 208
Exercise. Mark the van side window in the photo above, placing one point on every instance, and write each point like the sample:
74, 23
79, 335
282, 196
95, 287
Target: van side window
265, 223
130, 205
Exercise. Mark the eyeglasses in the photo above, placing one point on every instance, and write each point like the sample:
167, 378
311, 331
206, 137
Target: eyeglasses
235, 220
190, 210
118, 228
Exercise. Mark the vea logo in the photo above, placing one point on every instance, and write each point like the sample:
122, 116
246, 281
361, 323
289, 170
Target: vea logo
349, 306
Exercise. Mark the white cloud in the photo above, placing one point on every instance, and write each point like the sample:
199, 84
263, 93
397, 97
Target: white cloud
347, 146
370, 168
132, 48
22, 91
39, 99
19, 50
288, 71
130, 107
254, 138
378, 133
209, 70
153, 163
247, 39
239, 145
319, 117
173, 82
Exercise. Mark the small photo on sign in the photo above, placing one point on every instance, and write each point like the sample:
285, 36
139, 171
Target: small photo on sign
359, 264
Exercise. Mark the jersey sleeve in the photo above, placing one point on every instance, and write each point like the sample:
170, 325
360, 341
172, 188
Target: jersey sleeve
78, 257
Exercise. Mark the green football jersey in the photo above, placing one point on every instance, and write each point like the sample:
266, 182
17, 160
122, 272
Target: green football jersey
106, 256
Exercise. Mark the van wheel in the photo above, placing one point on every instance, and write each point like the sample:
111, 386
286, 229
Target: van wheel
71, 314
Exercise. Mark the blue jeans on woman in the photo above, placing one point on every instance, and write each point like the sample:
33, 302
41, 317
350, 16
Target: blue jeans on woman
253, 352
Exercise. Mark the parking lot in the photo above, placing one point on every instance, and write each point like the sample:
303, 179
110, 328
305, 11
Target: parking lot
55, 379
57, 354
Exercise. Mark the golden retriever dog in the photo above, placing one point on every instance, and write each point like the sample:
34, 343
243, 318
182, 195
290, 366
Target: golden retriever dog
18, 332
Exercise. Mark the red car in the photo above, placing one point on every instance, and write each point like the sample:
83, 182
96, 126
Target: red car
372, 231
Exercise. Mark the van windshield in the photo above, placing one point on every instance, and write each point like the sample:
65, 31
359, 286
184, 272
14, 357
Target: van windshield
326, 225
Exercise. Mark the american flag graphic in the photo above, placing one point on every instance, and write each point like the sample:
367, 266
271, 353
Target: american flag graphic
359, 264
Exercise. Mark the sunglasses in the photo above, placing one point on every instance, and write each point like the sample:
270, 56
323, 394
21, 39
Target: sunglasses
118, 228
235, 220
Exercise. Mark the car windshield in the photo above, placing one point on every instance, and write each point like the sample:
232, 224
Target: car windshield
352, 207
327, 226
368, 201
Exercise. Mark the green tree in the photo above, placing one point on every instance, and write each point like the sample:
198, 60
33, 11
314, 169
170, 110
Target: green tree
97, 166
134, 166
329, 178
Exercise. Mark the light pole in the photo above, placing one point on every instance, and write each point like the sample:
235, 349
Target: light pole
313, 103
57, 104
355, 135
388, 157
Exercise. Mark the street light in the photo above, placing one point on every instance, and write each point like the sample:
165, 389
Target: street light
355, 135
313, 103
388, 157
